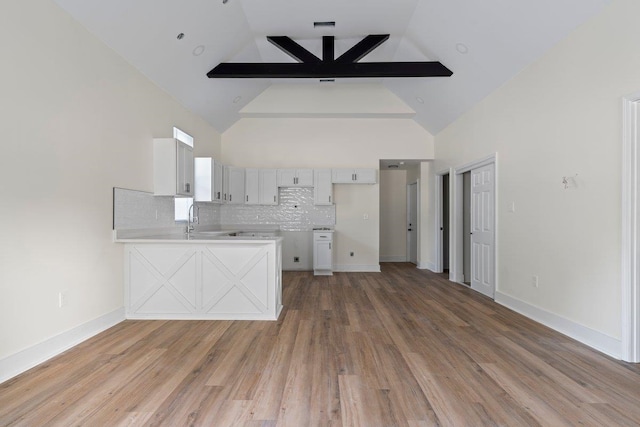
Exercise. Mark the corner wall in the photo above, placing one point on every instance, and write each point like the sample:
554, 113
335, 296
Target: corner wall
560, 117
78, 120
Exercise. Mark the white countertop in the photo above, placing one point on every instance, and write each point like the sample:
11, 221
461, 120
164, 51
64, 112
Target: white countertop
178, 235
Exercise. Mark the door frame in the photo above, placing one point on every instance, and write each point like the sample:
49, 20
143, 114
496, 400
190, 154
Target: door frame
456, 267
630, 344
438, 266
417, 224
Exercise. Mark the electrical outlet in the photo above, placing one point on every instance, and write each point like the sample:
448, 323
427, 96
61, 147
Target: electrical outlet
63, 299
296, 259
351, 253
534, 281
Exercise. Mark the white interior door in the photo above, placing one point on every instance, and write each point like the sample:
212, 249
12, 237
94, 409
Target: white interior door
483, 230
412, 223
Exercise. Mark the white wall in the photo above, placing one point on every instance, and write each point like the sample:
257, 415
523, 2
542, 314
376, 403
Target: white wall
333, 143
77, 121
393, 215
560, 116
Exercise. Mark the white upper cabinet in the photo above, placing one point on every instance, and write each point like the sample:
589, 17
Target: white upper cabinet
233, 185
295, 177
323, 188
354, 176
172, 168
208, 180
261, 187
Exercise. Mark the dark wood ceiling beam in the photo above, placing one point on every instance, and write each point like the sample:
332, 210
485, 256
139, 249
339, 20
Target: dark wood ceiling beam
328, 48
329, 70
293, 49
362, 48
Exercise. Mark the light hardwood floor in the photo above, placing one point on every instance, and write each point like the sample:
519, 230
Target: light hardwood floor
403, 347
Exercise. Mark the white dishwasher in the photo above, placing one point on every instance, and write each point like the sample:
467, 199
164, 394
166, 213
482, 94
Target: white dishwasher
322, 252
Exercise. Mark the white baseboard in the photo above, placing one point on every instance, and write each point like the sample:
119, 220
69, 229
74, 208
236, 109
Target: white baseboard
26, 359
396, 258
354, 268
426, 266
599, 341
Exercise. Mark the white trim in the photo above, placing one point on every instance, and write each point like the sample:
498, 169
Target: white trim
26, 359
597, 340
417, 224
355, 268
439, 197
492, 158
455, 223
394, 258
427, 266
630, 282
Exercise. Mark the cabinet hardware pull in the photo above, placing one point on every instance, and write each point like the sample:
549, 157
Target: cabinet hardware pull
329, 199
187, 187
329, 245
230, 197
247, 197
274, 198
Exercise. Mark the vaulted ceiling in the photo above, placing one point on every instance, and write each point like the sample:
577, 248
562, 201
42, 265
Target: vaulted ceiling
485, 43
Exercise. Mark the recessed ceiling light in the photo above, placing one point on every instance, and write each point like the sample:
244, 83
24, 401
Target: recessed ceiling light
180, 36
324, 24
420, 100
237, 99
198, 50
462, 48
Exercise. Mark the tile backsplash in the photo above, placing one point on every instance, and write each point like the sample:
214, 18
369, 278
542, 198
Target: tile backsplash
295, 212
138, 209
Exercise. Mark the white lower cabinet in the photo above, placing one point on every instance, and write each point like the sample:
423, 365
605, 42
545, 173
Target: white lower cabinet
223, 280
323, 253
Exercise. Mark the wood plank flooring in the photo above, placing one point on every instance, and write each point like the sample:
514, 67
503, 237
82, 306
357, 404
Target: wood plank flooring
404, 347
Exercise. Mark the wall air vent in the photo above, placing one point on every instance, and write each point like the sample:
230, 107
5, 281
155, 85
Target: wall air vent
324, 24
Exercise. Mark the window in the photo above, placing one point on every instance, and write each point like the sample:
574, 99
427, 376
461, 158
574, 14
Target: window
182, 136
182, 208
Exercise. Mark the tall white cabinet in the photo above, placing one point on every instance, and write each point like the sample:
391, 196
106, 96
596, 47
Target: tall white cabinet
208, 180
323, 187
233, 185
173, 170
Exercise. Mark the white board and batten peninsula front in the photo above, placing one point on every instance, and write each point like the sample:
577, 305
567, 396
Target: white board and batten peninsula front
207, 276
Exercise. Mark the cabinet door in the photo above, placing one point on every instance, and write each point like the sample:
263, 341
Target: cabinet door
322, 255
268, 187
304, 178
323, 188
365, 176
343, 176
184, 170
286, 177
217, 181
252, 187
236, 186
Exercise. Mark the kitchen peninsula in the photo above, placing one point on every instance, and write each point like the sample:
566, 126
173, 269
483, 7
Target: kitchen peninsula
208, 275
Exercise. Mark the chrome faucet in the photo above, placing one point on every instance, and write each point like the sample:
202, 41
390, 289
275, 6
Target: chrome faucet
192, 217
